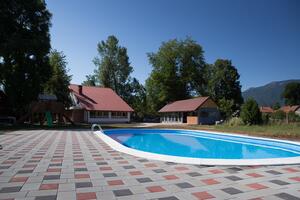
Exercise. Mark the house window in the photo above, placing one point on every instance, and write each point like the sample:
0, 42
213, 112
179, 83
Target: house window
119, 114
98, 114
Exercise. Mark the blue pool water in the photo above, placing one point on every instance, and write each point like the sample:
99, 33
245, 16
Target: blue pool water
197, 144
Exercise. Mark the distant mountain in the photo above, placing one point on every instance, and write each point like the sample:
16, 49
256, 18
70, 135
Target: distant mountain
268, 94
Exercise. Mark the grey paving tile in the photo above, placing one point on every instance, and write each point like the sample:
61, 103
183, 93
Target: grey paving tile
123, 192
51, 177
234, 178
109, 174
144, 180
232, 191
10, 189
49, 197
184, 185
279, 182
168, 198
194, 174
83, 184
159, 170
286, 196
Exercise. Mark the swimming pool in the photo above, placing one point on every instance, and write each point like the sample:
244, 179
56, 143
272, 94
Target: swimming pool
201, 147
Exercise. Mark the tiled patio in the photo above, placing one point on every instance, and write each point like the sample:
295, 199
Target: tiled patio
78, 165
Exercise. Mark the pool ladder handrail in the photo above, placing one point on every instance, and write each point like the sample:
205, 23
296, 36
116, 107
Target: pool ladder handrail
98, 126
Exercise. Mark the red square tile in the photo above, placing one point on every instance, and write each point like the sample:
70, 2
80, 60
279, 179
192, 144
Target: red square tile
9, 162
115, 182
257, 186
295, 178
254, 175
48, 186
290, 169
79, 164
170, 177
155, 189
18, 179
203, 195
150, 165
56, 160
123, 162
181, 168
210, 181
53, 170
105, 168
86, 196
82, 176
216, 171
98, 159
135, 173
29, 166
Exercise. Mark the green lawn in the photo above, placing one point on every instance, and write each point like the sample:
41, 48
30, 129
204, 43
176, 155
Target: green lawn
288, 131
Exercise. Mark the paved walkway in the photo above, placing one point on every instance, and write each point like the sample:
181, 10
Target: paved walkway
78, 165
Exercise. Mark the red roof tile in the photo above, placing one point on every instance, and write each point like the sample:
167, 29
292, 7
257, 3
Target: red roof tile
187, 105
290, 108
266, 109
98, 98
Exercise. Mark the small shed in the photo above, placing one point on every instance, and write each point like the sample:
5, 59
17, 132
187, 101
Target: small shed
200, 110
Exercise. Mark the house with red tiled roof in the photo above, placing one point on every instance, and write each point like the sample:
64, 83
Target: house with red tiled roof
98, 105
200, 110
295, 109
266, 109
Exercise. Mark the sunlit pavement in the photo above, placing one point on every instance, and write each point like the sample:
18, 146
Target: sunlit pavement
67, 165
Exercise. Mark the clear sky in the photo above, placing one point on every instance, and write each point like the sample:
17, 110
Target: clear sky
261, 37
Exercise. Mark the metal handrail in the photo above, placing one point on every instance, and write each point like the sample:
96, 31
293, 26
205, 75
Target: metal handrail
98, 126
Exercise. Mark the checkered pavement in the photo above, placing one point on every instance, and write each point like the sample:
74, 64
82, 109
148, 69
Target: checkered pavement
46, 165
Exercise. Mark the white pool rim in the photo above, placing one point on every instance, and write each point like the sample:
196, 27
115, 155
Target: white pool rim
202, 161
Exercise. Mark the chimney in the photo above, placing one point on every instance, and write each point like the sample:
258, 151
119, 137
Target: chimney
80, 89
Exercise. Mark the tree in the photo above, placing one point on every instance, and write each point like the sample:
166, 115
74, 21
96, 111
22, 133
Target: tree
138, 99
224, 86
24, 48
113, 67
291, 93
176, 73
91, 80
59, 82
276, 106
250, 112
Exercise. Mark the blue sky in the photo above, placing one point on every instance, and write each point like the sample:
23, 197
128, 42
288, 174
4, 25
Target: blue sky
261, 37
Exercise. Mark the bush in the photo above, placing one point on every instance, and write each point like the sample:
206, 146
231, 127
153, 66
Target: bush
235, 121
265, 118
250, 112
278, 115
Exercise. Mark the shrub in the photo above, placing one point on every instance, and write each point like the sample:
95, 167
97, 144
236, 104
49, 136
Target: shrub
265, 118
250, 112
235, 121
278, 115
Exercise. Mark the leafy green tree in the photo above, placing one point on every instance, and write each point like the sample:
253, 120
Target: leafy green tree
177, 73
225, 107
276, 106
291, 93
59, 82
224, 86
24, 48
113, 67
138, 99
91, 80
250, 112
